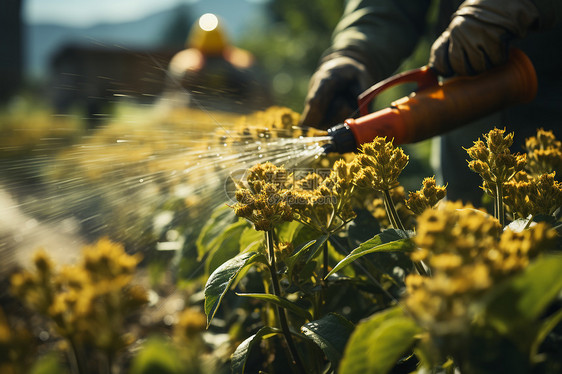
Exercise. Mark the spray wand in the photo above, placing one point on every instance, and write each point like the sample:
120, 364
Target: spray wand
436, 107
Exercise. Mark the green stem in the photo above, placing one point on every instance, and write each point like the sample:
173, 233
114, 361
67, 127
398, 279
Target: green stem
325, 259
529, 222
499, 204
393, 216
296, 360
391, 211
389, 214
76, 358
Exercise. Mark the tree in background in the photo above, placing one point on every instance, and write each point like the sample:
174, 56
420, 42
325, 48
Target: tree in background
290, 46
175, 34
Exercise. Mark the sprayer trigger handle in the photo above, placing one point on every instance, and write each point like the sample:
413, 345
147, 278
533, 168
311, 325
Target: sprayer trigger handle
424, 77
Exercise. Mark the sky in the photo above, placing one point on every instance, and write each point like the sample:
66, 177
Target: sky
90, 12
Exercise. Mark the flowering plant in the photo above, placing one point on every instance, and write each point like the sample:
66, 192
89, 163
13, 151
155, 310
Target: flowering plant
460, 289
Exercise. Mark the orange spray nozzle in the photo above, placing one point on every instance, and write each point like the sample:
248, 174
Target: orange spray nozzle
437, 107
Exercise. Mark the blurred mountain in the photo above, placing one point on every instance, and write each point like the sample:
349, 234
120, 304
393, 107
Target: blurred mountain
42, 40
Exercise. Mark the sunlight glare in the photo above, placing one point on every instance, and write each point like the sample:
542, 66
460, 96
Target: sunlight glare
208, 22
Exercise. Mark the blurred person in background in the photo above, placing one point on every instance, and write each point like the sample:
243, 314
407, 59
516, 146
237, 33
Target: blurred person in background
373, 37
213, 74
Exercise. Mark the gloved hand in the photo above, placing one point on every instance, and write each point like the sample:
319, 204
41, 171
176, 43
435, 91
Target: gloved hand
333, 91
479, 34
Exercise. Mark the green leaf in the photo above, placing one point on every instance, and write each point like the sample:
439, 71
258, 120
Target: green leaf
518, 302
221, 279
304, 235
330, 333
378, 343
240, 355
544, 329
250, 239
225, 246
309, 250
363, 227
387, 241
222, 217
289, 230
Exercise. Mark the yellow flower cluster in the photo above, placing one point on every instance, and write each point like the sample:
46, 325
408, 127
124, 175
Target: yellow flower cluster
427, 197
191, 322
544, 153
87, 302
533, 195
263, 199
466, 255
271, 123
493, 160
325, 203
381, 164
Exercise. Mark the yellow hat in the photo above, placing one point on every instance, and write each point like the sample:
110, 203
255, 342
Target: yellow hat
207, 35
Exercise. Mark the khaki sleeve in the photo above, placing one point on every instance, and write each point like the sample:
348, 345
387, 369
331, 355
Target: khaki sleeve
379, 33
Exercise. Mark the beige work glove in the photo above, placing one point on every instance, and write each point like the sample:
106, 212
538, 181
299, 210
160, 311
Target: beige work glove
479, 34
333, 91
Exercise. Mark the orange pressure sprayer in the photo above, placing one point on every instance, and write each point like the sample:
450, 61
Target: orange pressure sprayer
436, 107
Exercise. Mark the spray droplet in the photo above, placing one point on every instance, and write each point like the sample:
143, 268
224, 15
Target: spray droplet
141, 180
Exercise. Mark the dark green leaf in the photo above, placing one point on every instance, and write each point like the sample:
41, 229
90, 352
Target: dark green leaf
225, 246
330, 333
279, 301
221, 279
309, 250
378, 343
387, 241
305, 234
544, 329
240, 355
520, 301
363, 227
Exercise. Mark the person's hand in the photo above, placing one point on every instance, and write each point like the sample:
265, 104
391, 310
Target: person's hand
479, 34
333, 91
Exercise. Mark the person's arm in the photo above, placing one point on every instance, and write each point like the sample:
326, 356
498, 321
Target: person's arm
369, 43
379, 33
480, 32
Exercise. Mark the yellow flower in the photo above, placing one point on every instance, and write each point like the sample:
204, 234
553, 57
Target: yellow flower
493, 160
381, 164
546, 194
427, 197
527, 195
467, 256
516, 195
191, 322
264, 199
106, 259
324, 203
88, 302
544, 153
